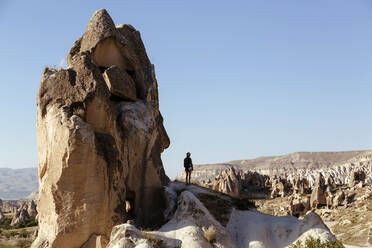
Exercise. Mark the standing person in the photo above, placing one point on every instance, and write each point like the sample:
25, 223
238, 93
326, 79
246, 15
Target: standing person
187, 163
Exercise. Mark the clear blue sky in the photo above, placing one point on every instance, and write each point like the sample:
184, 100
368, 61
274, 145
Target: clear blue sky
237, 79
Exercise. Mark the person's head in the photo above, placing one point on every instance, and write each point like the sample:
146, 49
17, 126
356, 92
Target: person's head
188, 154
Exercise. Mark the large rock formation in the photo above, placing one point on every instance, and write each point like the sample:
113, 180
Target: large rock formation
100, 136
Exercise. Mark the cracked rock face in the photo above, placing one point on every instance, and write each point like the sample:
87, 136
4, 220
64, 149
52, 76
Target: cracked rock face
100, 136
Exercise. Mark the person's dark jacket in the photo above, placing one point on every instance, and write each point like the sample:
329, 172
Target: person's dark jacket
187, 163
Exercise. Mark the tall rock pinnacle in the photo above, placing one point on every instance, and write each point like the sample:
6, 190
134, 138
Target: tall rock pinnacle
100, 136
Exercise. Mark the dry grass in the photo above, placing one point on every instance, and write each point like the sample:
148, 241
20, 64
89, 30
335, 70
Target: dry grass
209, 233
156, 243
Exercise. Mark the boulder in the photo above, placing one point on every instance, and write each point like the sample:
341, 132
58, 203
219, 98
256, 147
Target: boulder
100, 136
120, 83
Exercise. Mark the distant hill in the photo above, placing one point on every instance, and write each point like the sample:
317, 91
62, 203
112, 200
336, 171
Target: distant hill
17, 183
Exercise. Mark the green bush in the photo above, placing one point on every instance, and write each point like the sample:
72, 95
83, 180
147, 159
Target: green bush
311, 242
24, 243
5, 224
23, 233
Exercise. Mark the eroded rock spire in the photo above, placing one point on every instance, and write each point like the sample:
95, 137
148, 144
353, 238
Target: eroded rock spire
100, 136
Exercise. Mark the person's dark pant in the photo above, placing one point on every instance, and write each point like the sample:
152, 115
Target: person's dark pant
188, 176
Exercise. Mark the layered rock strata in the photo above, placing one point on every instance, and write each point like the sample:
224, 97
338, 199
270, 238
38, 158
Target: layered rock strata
100, 136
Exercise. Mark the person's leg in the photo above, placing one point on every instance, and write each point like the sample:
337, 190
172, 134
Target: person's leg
189, 176
186, 175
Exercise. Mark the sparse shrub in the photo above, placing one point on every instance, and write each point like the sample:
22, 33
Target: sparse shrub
156, 243
24, 243
209, 233
5, 224
23, 233
311, 242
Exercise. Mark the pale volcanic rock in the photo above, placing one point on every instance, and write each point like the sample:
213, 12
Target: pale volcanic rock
99, 147
255, 229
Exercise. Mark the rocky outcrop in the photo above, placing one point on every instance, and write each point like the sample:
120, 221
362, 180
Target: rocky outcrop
298, 205
100, 136
301, 185
21, 216
227, 182
279, 187
31, 210
318, 196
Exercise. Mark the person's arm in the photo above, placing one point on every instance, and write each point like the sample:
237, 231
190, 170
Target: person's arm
192, 166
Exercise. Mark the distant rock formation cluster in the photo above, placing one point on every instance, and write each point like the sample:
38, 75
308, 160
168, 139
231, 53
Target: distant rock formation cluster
25, 213
100, 136
308, 189
237, 183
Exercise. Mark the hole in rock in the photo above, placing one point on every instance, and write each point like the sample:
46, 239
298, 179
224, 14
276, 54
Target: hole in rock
102, 68
130, 205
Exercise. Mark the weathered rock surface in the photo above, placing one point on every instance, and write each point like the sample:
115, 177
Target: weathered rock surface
197, 209
100, 136
318, 195
21, 216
